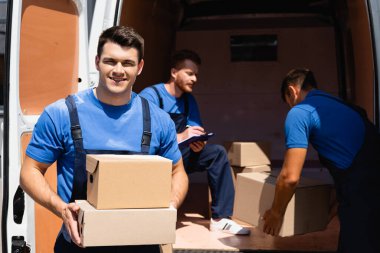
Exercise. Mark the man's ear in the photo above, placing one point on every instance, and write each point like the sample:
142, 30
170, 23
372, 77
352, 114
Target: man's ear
294, 91
291, 91
140, 66
173, 73
97, 60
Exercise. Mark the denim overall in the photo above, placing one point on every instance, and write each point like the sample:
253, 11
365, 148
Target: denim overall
80, 179
358, 193
213, 159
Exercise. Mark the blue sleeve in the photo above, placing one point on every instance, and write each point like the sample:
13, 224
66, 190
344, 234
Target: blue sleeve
45, 145
149, 94
169, 146
297, 128
194, 118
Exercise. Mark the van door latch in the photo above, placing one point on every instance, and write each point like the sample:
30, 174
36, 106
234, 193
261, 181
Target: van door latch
19, 245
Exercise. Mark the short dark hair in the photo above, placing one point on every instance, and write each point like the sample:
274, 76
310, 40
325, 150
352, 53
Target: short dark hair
302, 77
123, 36
185, 54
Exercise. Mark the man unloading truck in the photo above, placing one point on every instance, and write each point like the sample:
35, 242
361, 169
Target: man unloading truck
175, 98
348, 144
110, 118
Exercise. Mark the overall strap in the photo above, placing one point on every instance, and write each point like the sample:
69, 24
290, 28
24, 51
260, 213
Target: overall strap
161, 103
186, 101
147, 134
80, 177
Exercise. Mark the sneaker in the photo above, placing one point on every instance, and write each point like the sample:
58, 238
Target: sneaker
228, 226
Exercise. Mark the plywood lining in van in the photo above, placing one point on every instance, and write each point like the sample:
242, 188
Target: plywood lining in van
47, 224
50, 70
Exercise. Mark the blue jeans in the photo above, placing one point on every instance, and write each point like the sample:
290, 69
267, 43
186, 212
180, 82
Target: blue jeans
213, 158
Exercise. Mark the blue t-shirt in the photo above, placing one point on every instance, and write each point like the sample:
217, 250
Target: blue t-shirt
335, 130
172, 104
104, 127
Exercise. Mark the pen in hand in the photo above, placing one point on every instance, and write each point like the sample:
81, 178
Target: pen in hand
203, 132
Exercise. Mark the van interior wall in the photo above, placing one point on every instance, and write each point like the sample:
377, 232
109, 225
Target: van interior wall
156, 22
240, 101
361, 73
49, 71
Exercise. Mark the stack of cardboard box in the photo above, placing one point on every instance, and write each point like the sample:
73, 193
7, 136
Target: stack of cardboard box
308, 209
128, 199
247, 157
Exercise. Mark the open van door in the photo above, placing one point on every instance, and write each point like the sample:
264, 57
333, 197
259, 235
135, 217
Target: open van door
374, 16
44, 57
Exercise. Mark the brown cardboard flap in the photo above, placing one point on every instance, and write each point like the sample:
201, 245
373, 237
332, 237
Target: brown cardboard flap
80, 222
91, 164
82, 205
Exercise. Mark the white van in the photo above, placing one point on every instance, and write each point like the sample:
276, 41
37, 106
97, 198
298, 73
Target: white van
47, 51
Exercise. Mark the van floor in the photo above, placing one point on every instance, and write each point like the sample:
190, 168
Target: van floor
193, 233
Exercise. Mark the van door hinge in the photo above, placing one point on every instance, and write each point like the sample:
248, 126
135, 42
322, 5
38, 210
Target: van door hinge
19, 245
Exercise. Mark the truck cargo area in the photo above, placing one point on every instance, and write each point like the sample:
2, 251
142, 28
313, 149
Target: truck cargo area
246, 47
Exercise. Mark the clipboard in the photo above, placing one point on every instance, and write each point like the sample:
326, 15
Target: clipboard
203, 137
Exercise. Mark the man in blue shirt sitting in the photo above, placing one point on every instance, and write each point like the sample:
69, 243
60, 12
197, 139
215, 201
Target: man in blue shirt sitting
175, 98
348, 145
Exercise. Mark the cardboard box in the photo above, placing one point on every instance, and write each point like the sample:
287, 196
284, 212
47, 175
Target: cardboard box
254, 168
245, 154
128, 181
126, 226
307, 211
